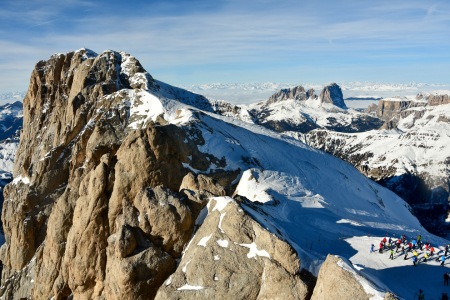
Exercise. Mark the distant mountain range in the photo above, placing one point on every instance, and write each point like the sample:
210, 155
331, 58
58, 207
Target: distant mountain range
355, 91
345, 85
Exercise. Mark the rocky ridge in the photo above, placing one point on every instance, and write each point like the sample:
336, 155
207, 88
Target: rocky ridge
297, 110
119, 192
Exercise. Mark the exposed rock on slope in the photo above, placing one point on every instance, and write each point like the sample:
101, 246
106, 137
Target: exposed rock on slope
227, 253
338, 280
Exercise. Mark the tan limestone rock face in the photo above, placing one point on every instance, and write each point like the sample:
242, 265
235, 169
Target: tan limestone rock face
202, 182
434, 100
232, 257
152, 232
334, 282
84, 261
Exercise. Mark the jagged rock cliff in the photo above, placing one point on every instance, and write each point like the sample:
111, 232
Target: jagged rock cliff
95, 210
297, 93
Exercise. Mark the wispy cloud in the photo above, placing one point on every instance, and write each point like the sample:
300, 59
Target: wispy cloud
230, 34
43, 23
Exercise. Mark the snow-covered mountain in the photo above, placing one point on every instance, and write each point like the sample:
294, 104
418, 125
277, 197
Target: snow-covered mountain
11, 116
408, 154
307, 111
126, 187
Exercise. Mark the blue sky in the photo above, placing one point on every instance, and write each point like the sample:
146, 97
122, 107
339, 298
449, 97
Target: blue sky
192, 42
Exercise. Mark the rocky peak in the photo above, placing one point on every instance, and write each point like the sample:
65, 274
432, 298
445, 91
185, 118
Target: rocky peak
332, 93
297, 93
434, 100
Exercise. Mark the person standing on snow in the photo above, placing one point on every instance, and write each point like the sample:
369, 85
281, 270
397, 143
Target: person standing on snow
414, 260
398, 246
432, 250
414, 244
409, 247
426, 256
371, 248
406, 256
384, 242
415, 254
443, 260
446, 250
381, 248
446, 277
392, 254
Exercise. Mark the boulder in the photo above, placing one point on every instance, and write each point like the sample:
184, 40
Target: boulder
335, 282
202, 182
232, 257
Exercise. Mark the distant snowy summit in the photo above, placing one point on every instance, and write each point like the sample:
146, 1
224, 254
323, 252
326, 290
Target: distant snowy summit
11, 116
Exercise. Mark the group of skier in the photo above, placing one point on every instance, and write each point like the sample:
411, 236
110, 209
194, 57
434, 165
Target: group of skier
411, 246
421, 296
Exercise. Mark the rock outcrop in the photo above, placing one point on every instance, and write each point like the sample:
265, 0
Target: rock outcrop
339, 281
434, 100
332, 93
228, 252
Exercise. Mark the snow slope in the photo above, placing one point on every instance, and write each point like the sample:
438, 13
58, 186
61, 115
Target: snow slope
418, 146
303, 195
